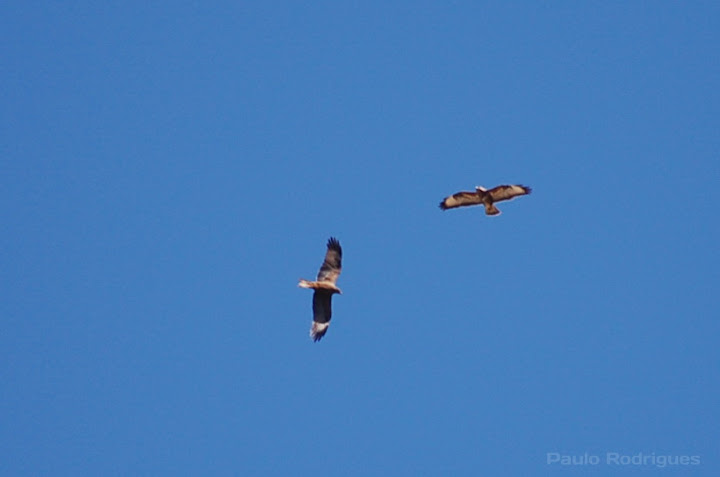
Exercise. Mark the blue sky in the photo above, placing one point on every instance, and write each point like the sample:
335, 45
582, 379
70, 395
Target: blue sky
170, 169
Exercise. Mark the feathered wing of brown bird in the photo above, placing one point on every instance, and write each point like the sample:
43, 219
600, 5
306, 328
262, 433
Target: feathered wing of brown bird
324, 288
488, 198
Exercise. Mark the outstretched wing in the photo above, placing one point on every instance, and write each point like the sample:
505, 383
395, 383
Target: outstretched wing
322, 312
461, 199
507, 192
331, 267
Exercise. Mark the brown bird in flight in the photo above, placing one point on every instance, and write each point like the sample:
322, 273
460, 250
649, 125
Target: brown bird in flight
324, 288
485, 197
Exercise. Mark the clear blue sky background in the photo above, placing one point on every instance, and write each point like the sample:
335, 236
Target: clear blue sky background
170, 169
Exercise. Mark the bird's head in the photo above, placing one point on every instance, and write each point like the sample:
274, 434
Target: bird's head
480, 188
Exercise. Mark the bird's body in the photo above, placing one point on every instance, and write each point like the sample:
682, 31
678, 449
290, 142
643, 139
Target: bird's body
324, 288
327, 286
484, 197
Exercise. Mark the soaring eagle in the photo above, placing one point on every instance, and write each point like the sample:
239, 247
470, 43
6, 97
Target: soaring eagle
324, 289
485, 197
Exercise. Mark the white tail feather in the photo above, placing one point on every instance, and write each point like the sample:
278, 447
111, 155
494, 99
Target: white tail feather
318, 330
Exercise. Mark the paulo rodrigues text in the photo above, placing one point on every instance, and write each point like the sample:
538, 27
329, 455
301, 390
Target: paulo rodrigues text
620, 459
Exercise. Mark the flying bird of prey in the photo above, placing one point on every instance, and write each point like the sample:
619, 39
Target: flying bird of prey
324, 288
485, 197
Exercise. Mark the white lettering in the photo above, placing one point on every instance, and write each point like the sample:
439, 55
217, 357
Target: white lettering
616, 458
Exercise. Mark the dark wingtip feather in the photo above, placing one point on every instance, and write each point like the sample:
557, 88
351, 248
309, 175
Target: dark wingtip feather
442, 205
527, 189
334, 244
